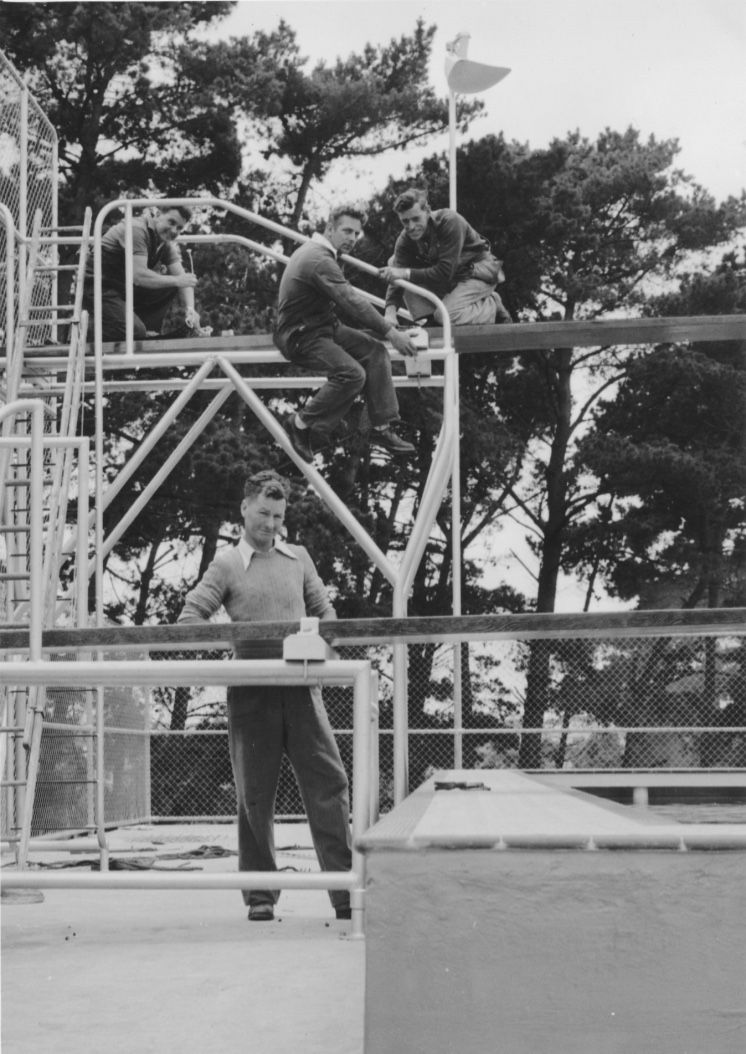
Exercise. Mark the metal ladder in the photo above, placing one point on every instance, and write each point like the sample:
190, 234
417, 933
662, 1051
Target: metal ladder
39, 318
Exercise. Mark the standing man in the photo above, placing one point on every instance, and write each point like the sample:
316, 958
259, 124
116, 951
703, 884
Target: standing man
443, 253
158, 276
262, 579
309, 332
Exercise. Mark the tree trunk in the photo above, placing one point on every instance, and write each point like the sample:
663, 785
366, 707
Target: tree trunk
146, 578
537, 680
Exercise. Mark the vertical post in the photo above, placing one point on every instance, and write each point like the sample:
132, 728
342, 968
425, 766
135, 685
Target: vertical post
36, 528
23, 197
452, 149
456, 569
35, 708
375, 756
54, 221
100, 781
361, 744
10, 283
401, 718
129, 292
81, 539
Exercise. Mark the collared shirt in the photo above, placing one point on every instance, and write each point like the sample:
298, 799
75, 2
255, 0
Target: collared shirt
317, 236
247, 550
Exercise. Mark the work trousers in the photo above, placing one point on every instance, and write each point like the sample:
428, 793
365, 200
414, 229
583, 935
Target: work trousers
263, 723
353, 363
471, 303
150, 307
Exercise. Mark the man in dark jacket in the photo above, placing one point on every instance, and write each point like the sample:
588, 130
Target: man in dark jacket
443, 253
315, 306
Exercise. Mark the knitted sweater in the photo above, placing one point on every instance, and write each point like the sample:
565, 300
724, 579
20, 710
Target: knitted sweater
281, 585
314, 292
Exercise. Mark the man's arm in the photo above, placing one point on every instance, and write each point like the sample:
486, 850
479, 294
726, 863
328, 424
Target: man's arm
176, 278
185, 292
207, 596
315, 595
400, 262
332, 283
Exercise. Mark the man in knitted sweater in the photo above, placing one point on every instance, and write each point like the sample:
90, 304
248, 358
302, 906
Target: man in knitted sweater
317, 311
263, 579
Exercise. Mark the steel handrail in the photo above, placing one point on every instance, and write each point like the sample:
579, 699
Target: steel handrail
213, 672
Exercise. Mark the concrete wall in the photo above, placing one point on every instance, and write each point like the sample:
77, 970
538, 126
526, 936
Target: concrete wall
565, 952
505, 915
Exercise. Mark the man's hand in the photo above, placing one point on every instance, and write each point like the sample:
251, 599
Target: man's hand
185, 280
401, 342
391, 274
191, 317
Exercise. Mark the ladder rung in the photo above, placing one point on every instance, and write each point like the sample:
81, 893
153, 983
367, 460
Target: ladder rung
74, 227
55, 240
56, 267
14, 578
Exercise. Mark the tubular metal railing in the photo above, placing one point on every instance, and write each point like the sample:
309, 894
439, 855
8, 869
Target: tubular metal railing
37, 672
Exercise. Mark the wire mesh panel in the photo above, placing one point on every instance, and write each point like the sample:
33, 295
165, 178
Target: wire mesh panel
28, 180
586, 704
67, 783
582, 703
126, 749
65, 788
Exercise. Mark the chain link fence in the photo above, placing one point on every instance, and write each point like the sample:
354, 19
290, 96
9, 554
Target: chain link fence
28, 184
574, 704
582, 704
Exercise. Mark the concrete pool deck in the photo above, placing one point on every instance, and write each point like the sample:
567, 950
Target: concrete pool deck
165, 970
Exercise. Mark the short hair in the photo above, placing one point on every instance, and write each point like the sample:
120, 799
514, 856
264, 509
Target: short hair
356, 211
184, 210
268, 483
409, 198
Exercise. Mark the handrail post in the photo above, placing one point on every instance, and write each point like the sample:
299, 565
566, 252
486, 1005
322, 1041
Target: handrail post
129, 291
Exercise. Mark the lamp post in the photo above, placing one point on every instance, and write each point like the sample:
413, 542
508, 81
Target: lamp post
464, 77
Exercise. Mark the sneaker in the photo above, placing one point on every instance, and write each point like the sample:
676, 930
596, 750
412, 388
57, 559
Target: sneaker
343, 912
389, 440
261, 913
300, 438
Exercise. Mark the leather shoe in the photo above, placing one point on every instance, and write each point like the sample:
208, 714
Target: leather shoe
389, 440
300, 439
261, 913
344, 912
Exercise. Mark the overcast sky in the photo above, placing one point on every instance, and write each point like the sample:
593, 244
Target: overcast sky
671, 68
